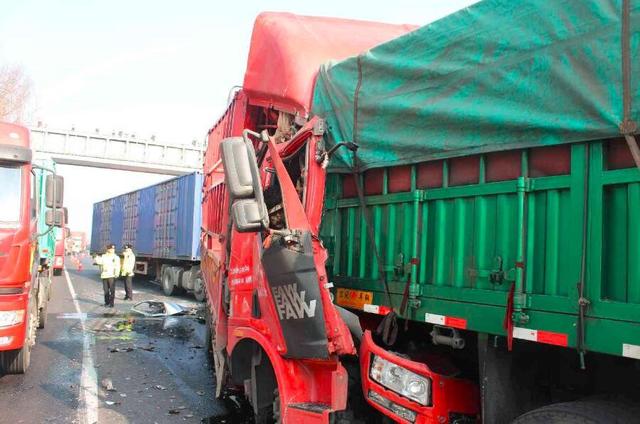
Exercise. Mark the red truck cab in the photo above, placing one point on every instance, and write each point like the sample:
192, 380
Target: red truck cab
24, 281
276, 333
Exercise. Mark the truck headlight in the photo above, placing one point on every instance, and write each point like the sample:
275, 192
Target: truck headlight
8, 318
401, 380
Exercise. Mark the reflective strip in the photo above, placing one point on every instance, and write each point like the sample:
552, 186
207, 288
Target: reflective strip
446, 320
631, 351
541, 336
376, 309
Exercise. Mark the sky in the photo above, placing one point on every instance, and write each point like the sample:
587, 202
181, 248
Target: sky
162, 68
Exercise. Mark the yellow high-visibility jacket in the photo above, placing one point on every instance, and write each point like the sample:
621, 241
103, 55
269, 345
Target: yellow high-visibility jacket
128, 263
110, 265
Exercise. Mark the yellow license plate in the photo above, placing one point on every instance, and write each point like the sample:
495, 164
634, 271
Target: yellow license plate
354, 298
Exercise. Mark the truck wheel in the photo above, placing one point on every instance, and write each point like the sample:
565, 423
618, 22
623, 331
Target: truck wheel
17, 361
42, 315
581, 412
167, 282
198, 289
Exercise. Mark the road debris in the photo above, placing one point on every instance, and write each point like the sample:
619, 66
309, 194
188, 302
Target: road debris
107, 384
160, 387
153, 308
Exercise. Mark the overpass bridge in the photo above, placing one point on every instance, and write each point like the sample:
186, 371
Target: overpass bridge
116, 151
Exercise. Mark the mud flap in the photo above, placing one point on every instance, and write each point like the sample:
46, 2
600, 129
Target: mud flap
291, 272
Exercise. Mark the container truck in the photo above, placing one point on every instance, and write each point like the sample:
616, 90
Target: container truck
448, 219
162, 223
31, 198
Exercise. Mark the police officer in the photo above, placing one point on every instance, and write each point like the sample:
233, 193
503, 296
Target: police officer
128, 263
110, 269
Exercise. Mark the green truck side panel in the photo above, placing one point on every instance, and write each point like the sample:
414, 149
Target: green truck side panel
464, 235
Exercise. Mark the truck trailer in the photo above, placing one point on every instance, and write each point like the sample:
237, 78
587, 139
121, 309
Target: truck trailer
162, 223
31, 213
443, 226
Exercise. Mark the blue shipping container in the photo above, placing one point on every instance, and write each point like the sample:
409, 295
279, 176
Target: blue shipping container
160, 221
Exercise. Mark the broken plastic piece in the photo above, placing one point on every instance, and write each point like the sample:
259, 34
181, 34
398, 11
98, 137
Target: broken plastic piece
152, 308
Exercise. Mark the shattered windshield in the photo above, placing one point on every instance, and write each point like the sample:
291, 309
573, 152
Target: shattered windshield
9, 195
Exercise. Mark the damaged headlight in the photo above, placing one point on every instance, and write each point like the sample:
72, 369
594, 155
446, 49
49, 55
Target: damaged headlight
401, 380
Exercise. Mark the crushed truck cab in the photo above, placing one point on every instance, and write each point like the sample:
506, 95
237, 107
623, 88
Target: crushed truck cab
276, 333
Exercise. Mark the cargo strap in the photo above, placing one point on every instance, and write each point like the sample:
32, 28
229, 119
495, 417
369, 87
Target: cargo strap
628, 127
388, 328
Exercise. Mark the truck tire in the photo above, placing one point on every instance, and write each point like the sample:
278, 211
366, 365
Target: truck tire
42, 315
198, 288
17, 361
582, 412
167, 282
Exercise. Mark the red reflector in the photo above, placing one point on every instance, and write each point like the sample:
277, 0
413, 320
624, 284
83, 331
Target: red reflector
455, 322
557, 339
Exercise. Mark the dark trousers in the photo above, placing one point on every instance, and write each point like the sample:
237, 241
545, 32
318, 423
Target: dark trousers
109, 287
128, 286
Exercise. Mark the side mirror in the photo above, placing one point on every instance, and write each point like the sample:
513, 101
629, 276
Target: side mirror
55, 186
54, 218
247, 216
66, 215
67, 232
239, 167
242, 177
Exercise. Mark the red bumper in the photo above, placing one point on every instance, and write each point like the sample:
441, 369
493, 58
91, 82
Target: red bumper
450, 397
12, 337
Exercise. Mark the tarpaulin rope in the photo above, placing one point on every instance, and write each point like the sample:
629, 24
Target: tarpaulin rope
388, 328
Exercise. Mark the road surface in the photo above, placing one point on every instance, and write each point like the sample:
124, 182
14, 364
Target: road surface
158, 367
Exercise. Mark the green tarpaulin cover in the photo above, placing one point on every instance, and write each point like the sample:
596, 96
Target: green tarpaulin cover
499, 75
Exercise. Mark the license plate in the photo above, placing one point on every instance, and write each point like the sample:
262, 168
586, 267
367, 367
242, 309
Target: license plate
354, 298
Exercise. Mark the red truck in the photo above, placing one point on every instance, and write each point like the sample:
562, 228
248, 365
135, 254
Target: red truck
276, 332
58, 260
31, 199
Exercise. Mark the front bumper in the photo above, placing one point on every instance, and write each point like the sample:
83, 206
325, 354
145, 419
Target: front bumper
12, 337
450, 396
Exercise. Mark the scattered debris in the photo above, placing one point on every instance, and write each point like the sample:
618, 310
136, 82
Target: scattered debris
111, 403
123, 395
125, 325
107, 384
152, 308
160, 387
173, 412
200, 393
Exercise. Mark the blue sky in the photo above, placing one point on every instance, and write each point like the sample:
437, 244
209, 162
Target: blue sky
150, 67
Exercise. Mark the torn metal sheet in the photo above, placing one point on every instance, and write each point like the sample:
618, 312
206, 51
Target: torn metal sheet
152, 308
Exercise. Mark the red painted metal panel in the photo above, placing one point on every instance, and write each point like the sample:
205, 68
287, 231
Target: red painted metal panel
502, 166
430, 174
618, 155
399, 179
547, 161
464, 170
373, 182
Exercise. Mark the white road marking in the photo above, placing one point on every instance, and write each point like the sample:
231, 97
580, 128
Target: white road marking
88, 408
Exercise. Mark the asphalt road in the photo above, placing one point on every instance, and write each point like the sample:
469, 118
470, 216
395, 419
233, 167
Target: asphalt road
158, 367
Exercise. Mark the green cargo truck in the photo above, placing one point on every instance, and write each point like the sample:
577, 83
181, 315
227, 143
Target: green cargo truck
500, 174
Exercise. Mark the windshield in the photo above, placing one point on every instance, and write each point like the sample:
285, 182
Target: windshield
9, 195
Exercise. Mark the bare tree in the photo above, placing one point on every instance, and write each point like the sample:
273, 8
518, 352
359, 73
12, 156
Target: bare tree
15, 93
